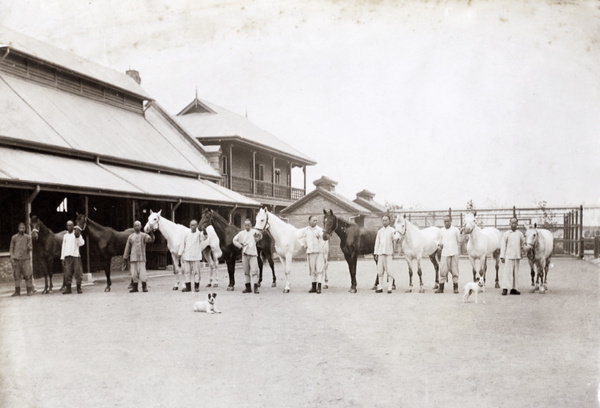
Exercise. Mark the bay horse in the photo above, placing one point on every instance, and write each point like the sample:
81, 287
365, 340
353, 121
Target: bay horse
417, 243
226, 232
107, 241
288, 240
354, 241
539, 244
175, 234
46, 251
482, 242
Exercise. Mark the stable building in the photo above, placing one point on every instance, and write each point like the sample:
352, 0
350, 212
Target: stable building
324, 197
78, 137
252, 161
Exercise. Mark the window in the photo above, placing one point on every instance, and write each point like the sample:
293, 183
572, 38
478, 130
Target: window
224, 165
277, 176
62, 207
260, 172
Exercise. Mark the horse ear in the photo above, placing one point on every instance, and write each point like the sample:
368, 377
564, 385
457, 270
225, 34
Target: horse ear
330, 211
159, 211
324, 211
151, 212
474, 213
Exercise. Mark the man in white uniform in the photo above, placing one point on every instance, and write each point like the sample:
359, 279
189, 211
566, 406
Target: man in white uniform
510, 255
449, 239
315, 246
384, 251
246, 240
70, 257
191, 254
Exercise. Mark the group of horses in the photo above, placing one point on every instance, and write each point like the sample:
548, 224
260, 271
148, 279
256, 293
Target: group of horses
286, 241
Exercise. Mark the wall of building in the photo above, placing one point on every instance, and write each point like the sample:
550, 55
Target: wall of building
315, 206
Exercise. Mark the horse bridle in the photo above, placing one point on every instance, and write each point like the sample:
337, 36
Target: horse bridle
266, 227
335, 225
157, 224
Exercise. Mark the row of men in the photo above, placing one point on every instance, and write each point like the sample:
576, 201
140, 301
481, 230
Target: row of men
191, 254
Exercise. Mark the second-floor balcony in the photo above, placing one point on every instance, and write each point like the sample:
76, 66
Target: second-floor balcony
251, 187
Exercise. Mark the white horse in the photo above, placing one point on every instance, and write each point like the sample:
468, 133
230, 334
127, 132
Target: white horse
211, 252
289, 241
415, 244
175, 234
482, 242
539, 244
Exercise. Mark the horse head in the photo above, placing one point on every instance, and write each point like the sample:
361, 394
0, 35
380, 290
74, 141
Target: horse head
153, 221
400, 228
206, 220
262, 220
329, 224
81, 220
470, 223
35, 223
531, 240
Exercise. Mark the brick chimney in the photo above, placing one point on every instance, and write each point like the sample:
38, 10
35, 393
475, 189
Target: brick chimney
135, 75
325, 183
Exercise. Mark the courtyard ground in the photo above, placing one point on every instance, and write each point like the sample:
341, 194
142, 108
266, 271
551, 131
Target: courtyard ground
336, 349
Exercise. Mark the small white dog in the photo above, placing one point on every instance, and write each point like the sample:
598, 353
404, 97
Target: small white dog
208, 305
475, 287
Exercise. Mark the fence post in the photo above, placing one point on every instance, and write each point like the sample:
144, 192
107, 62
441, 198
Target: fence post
596, 246
581, 240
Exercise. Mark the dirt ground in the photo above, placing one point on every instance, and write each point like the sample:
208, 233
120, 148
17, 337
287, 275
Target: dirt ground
305, 350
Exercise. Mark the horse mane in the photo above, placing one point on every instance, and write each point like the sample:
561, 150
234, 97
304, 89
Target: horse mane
218, 217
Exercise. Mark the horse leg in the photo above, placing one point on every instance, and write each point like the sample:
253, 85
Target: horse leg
287, 262
496, 256
421, 288
546, 273
533, 285
483, 270
541, 276
352, 265
376, 277
107, 273
176, 270
272, 266
230, 261
325, 279
410, 275
260, 267
436, 266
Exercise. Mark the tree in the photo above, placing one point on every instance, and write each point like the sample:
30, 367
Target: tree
547, 220
470, 206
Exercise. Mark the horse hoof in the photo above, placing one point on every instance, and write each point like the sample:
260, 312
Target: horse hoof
497, 286
45, 291
436, 286
258, 284
274, 284
107, 289
394, 287
408, 290
286, 291
175, 287
229, 288
421, 290
49, 291
374, 287
325, 286
352, 290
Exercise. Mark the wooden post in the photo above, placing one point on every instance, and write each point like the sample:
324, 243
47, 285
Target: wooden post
596, 246
254, 175
581, 240
514, 211
304, 171
230, 167
576, 233
273, 179
86, 202
290, 179
495, 220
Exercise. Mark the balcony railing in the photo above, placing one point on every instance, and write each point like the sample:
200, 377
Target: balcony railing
247, 186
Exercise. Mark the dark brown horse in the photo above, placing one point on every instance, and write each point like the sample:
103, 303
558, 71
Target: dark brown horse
105, 242
354, 241
226, 232
46, 251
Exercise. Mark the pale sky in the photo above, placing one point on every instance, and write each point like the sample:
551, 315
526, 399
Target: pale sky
426, 103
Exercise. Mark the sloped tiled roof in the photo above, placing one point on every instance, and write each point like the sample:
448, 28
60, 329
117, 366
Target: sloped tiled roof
55, 56
334, 197
370, 205
207, 121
